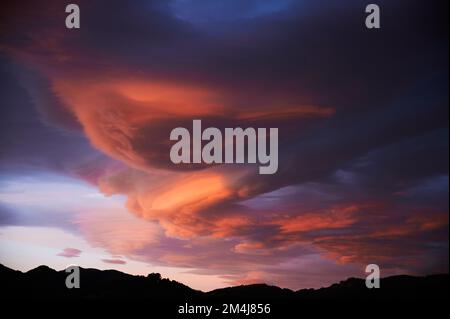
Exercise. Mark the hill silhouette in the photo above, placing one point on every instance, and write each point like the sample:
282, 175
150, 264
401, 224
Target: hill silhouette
46, 283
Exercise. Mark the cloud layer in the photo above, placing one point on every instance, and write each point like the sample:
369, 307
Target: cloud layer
363, 120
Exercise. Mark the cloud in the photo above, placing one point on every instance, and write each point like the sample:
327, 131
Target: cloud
363, 172
332, 219
114, 261
70, 253
115, 230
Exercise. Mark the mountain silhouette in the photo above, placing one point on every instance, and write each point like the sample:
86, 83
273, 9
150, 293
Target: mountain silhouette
46, 283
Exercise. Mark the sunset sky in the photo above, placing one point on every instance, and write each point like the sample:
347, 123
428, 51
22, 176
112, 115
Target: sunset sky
86, 114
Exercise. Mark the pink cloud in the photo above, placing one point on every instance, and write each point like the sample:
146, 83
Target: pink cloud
114, 261
70, 253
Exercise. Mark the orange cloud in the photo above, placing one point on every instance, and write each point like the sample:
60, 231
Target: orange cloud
413, 225
338, 217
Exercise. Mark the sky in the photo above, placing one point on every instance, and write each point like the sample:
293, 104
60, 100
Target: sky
86, 115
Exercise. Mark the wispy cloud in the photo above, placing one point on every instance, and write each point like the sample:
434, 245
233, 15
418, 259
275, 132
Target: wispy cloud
114, 261
70, 253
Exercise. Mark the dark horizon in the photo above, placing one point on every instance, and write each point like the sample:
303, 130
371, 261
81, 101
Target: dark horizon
346, 288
